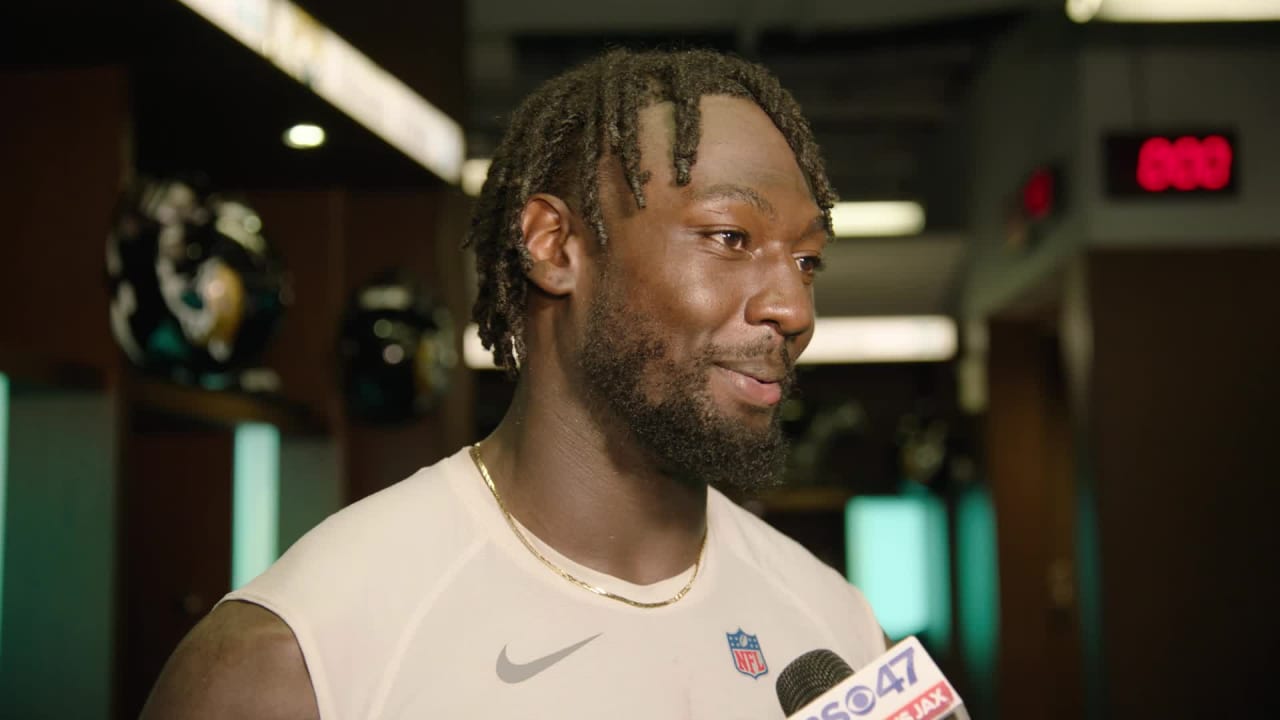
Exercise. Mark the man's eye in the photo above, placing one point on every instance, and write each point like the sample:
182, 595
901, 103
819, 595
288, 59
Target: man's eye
810, 264
731, 239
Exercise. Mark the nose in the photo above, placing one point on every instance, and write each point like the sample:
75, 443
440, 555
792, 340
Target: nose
783, 300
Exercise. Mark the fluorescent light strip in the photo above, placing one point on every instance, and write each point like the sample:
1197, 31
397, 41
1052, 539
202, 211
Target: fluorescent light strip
889, 339
255, 501
474, 172
319, 58
836, 341
1156, 11
4, 485
877, 219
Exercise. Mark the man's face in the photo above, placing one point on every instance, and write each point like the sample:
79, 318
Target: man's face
703, 299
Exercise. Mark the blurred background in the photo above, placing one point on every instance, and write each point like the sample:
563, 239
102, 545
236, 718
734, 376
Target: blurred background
1037, 426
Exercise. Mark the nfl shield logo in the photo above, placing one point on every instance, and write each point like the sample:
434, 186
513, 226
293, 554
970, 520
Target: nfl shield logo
747, 657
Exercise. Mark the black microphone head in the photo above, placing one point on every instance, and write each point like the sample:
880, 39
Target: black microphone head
807, 677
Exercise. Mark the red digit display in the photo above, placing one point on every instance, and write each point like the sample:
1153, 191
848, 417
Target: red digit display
1171, 164
1215, 168
1187, 163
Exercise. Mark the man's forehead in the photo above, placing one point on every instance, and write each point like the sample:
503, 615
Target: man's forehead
717, 113
732, 191
738, 144
741, 156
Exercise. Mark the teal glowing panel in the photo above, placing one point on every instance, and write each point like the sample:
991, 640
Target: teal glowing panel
4, 486
897, 555
1089, 595
978, 590
255, 502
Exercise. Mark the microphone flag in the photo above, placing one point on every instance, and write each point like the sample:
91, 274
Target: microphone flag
902, 684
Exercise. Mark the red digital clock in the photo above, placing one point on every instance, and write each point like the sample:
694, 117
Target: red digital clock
1171, 164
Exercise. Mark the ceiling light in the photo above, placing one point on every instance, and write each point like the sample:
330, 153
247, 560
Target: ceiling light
1154, 11
891, 339
877, 219
304, 136
335, 70
474, 172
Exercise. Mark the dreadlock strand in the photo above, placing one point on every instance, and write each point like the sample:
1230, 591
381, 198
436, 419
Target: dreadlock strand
608, 101
589, 190
785, 113
688, 122
628, 149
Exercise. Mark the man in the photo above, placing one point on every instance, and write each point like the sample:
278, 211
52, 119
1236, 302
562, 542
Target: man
646, 242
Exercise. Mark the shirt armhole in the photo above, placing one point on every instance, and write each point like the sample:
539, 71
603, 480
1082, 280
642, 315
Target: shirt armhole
306, 644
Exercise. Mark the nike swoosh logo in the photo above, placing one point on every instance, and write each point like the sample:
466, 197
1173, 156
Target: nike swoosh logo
512, 673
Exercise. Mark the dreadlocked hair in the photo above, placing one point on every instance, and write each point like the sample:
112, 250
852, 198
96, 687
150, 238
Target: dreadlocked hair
556, 138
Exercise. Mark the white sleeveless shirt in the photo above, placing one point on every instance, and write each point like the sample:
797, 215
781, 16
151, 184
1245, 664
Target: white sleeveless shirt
419, 602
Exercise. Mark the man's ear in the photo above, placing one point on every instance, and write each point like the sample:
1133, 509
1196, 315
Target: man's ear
554, 244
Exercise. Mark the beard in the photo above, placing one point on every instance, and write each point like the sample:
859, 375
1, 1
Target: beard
667, 407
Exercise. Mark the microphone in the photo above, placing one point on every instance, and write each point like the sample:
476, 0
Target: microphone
902, 684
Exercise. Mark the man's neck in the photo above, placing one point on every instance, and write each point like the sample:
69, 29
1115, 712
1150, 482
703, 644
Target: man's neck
583, 486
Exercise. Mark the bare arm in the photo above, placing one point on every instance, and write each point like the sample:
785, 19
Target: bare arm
239, 662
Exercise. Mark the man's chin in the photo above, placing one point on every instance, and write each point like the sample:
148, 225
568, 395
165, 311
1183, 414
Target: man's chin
699, 437
747, 460
753, 474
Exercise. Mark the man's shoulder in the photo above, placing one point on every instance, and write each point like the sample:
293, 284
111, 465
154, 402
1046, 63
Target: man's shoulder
427, 504
429, 489
422, 522
240, 661
348, 588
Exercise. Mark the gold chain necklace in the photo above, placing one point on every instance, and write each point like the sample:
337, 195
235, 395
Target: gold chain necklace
511, 521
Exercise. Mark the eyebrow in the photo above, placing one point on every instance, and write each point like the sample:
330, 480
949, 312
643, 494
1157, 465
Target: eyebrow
728, 191
819, 224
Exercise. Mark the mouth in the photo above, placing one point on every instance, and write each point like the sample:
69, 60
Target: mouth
757, 386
